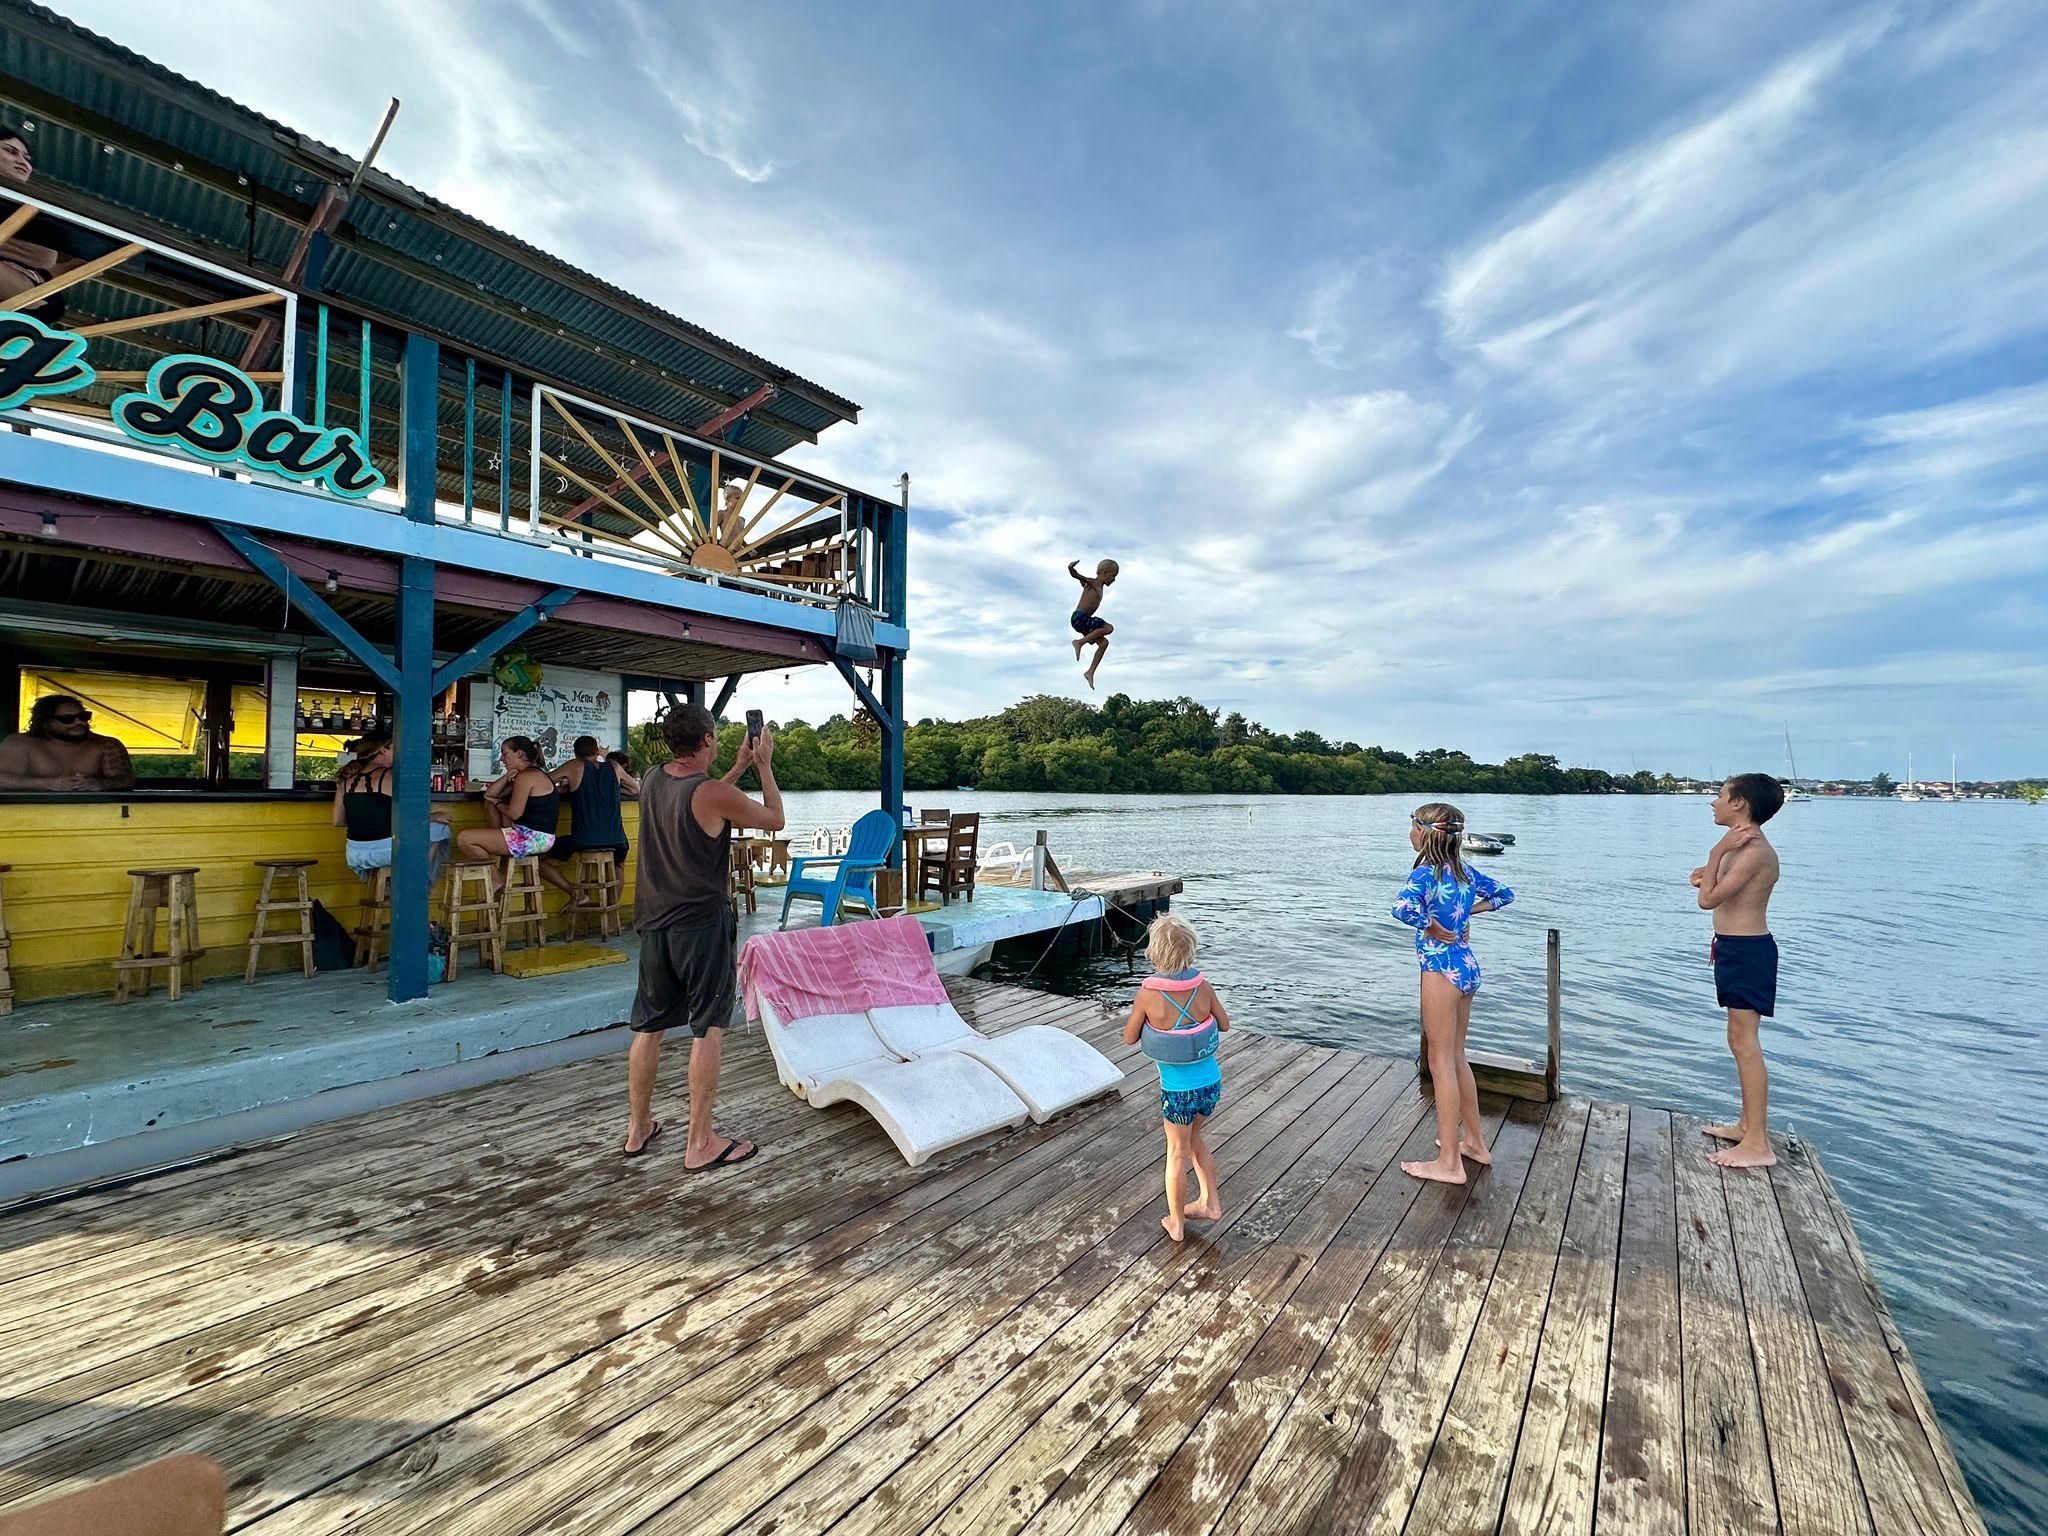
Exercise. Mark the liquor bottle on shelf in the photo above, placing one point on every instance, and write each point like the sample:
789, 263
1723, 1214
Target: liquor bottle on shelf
299, 717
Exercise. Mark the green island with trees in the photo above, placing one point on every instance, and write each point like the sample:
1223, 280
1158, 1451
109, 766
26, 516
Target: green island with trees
1172, 746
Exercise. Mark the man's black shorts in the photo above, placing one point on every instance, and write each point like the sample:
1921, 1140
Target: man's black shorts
688, 975
1746, 971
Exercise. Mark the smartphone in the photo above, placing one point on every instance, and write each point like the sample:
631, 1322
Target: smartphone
754, 723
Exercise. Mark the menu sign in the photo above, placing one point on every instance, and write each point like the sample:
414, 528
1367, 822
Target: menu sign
567, 704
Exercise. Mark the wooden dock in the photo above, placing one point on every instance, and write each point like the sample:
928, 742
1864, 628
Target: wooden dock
471, 1315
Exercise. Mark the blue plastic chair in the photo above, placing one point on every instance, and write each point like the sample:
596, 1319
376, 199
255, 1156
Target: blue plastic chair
852, 874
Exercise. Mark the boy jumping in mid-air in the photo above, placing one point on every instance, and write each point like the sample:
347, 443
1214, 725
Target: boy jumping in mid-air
1090, 629
1735, 885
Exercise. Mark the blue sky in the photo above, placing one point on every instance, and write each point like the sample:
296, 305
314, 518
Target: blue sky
1625, 382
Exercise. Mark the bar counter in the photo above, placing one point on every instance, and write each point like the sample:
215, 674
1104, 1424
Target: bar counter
66, 896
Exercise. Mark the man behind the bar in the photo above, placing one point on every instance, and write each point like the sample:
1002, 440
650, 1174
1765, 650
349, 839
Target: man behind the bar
689, 932
60, 752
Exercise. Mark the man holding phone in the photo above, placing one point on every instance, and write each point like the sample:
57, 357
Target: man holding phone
683, 912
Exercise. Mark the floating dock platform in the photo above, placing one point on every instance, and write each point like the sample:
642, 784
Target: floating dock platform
471, 1314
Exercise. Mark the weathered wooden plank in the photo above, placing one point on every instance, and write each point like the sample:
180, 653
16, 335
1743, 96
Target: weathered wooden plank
1898, 1445
1535, 1157
1118, 1347
1121, 1465
1379, 1099
1552, 1486
532, 1281
511, 1428
640, 1476
1291, 1482
961, 1418
1815, 1477
1464, 1480
717, 1318
1219, 1449
1727, 1469
1642, 1439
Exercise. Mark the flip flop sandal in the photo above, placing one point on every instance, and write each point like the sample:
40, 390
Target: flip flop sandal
726, 1159
642, 1148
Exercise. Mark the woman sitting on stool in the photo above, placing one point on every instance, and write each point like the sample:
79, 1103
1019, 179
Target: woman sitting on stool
362, 803
594, 785
523, 807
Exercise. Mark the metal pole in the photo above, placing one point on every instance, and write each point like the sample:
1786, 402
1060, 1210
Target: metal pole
533, 462
413, 708
1554, 982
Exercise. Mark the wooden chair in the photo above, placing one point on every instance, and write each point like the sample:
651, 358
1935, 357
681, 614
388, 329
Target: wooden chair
373, 919
174, 891
950, 871
6, 976
740, 884
595, 874
472, 891
523, 906
297, 929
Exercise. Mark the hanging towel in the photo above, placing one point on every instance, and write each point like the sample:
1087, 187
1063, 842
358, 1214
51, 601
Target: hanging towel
894, 957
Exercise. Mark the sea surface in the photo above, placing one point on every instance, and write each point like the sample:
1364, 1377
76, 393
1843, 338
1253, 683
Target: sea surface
1911, 1046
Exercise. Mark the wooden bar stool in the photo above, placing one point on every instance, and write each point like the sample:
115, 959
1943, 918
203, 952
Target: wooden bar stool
523, 907
298, 931
373, 919
173, 890
471, 890
6, 976
595, 874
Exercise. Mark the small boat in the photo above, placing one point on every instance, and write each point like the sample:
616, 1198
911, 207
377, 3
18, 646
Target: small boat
1792, 789
1483, 842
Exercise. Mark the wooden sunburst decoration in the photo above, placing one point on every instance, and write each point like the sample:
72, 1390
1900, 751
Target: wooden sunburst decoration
721, 540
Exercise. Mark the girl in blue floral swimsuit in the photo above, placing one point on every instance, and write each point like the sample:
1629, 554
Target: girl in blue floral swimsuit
1439, 902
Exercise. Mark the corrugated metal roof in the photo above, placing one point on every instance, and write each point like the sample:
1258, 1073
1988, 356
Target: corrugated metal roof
399, 251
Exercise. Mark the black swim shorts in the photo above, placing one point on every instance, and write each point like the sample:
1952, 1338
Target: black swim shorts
688, 975
1746, 971
1087, 623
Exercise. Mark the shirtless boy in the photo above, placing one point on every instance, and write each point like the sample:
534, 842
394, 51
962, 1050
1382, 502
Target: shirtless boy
1735, 885
1090, 629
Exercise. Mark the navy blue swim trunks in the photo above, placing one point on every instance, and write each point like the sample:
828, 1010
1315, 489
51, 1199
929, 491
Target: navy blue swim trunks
1746, 971
1182, 1105
1087, 623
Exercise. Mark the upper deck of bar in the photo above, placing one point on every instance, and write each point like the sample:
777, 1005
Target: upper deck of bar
539, 430
470, 1314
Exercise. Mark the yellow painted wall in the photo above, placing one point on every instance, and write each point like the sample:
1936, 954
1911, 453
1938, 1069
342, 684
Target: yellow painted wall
67, 893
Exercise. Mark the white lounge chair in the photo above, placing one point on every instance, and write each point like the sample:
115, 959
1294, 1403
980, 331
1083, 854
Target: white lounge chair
925, 1106
1049, 1069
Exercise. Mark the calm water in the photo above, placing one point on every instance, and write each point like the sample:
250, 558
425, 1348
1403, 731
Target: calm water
1909, 1048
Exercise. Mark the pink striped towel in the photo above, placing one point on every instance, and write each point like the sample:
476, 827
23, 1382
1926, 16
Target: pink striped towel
847, 968
894, 958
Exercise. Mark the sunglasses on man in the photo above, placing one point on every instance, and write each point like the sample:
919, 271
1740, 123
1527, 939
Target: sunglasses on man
71, 719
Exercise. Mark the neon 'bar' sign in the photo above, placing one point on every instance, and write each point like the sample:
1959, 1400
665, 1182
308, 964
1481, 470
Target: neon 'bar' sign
198, 405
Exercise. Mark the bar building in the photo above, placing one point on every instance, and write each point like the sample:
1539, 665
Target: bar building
292, 451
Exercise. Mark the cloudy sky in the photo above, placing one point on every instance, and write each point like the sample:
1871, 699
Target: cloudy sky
1625, 382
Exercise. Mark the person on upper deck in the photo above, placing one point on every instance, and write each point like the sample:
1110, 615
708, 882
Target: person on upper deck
61, 752
362, 803
594, 786
523, 804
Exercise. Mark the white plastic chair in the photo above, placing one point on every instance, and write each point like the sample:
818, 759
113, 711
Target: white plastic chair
1049, 1069
925, 1106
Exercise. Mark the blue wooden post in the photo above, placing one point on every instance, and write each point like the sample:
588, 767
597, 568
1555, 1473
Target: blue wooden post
896, 568
412, 750
892, 747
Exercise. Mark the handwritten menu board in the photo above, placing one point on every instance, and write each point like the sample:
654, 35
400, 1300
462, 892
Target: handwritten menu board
567, 704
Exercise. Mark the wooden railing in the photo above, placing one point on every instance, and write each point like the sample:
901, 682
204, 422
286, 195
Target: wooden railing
515, 454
